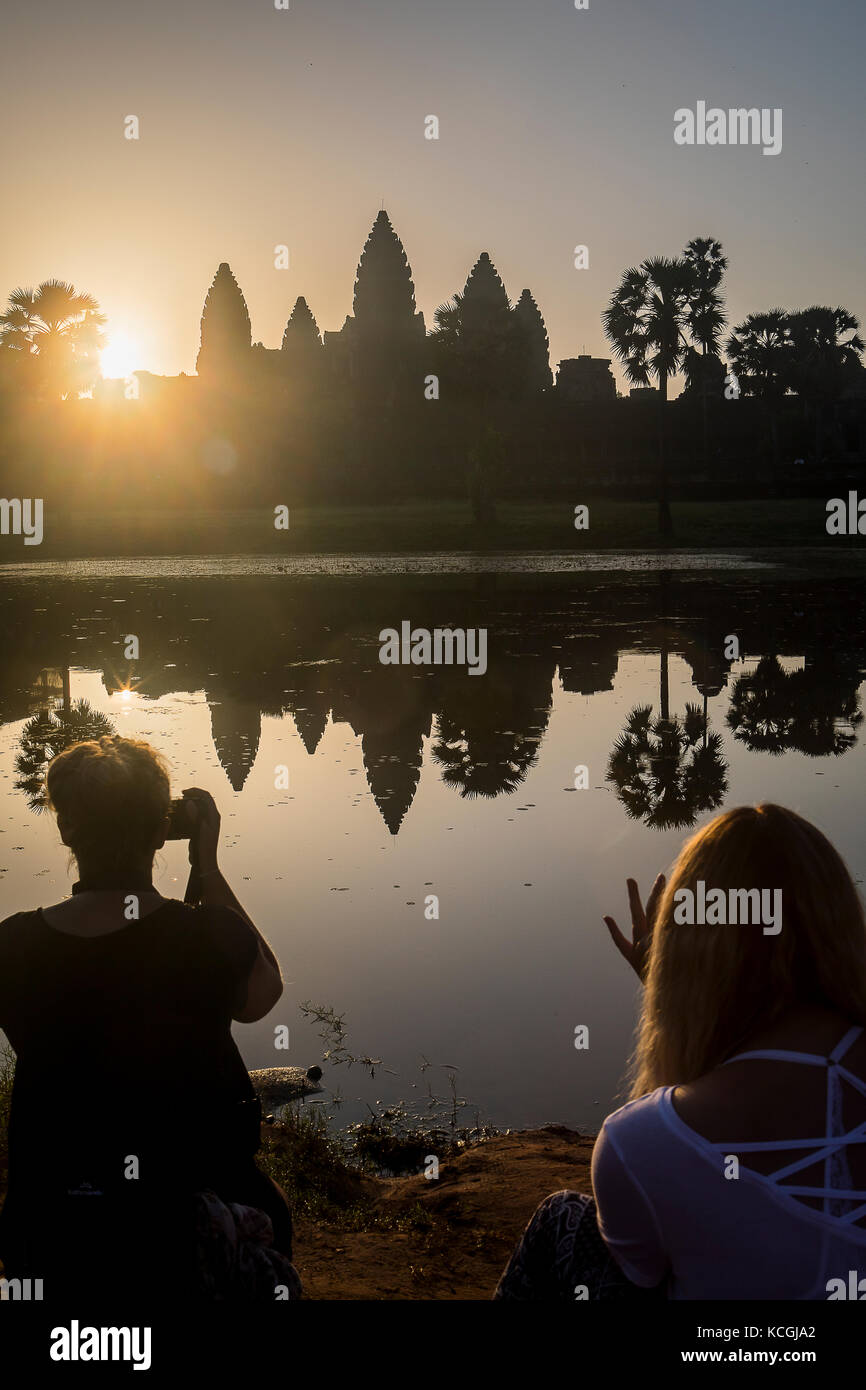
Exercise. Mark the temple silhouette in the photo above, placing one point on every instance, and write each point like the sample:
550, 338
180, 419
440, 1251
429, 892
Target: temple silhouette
483, 737
384, 342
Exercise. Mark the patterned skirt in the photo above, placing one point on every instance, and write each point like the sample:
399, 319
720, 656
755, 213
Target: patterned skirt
562, 1258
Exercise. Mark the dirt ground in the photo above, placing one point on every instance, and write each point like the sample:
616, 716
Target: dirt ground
478, 1208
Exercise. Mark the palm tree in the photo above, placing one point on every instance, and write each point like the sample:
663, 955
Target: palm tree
49, 733
58, 333
826, 346
646, 322
706, 320
761, 354
449, 324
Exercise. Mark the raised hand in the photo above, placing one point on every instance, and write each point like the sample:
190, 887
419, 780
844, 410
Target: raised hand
636, 951
204, 841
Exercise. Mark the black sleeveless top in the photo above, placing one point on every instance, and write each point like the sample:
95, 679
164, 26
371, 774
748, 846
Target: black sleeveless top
124, 1050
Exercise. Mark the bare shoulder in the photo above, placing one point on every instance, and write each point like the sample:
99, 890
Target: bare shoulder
764, 1098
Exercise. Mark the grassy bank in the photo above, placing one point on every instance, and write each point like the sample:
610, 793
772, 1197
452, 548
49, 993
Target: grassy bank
429, 526
448, 1238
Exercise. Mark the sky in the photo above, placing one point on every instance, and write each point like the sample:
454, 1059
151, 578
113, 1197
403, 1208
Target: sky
261, 127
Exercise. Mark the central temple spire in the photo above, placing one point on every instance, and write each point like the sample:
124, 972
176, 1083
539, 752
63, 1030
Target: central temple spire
384, 292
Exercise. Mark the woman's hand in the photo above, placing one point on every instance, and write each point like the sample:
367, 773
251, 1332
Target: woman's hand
636, 951
204, 842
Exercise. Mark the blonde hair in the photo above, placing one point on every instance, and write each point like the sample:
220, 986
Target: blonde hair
707, 987
111, 796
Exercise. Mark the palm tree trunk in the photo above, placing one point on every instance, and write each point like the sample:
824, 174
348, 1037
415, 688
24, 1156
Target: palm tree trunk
666, 525
706, 423
664, 686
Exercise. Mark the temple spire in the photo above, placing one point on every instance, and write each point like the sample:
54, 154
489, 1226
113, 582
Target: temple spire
384, 292
226, 332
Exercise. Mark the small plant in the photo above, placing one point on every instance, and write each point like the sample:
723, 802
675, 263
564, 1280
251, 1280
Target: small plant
397, 1138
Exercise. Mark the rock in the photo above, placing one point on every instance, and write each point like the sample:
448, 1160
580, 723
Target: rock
276, 1086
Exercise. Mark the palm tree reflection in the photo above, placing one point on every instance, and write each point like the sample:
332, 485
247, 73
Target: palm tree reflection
668, 770
48, 733
815, 710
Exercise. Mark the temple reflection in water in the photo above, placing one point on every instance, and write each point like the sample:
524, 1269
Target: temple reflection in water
309, 648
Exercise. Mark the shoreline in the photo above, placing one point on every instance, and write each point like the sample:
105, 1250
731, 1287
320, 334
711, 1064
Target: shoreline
450, 1238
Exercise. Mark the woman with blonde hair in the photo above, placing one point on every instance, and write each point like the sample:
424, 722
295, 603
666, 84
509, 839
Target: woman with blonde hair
119, 1003
737, 1170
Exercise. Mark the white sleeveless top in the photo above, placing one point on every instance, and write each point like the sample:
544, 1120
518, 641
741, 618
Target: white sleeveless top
666, 1210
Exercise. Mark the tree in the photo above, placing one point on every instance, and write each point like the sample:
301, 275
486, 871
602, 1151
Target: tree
761, 354
646, 323
825, 348
706, 319
532, 348
226, 332
57, 332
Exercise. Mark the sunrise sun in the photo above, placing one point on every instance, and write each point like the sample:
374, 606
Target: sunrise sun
121, 356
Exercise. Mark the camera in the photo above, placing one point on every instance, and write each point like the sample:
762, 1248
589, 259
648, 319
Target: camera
181, 823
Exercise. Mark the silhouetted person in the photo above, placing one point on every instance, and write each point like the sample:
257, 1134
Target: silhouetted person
130, 1095
738, 1168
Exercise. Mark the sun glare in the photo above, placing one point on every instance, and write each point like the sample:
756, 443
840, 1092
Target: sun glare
120, 357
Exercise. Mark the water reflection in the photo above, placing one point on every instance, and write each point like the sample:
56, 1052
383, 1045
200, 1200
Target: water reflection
49, 732
407, 781
308, 648
815, 709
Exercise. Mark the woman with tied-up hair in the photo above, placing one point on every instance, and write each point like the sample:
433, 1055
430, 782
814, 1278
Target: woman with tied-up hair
134, 1123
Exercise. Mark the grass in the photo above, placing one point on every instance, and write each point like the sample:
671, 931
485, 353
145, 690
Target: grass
326, 1171
412, 526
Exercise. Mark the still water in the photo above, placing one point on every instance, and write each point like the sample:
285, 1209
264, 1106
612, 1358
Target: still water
407, 782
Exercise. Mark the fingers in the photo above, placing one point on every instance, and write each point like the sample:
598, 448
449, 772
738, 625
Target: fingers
638, 916
621, 942
655, 897
207, 805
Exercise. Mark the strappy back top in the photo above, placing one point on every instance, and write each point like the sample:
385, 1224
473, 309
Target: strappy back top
839, 1198
673, 1207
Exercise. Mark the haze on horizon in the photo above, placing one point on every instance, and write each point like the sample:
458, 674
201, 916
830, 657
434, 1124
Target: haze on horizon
261, 127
